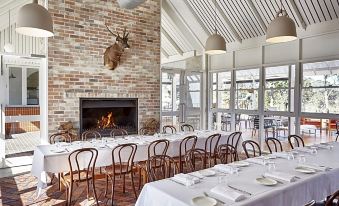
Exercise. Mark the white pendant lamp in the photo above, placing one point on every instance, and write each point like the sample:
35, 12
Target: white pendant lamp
281, 29
215, 43
34, 20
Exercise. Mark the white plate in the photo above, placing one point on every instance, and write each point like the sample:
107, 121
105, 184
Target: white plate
240, 164
305, 170
266, 181
204, 201
207, 173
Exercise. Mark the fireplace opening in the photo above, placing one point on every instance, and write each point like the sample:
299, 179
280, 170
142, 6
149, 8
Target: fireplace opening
103, 115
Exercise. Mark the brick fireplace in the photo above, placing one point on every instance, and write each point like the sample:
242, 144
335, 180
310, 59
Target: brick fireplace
75, 58
105, 114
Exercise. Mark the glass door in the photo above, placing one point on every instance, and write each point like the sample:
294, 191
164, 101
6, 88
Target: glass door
192, 106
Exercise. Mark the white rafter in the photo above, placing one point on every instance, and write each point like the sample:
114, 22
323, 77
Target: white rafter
170, 39
257, 15
298, 15
164, 52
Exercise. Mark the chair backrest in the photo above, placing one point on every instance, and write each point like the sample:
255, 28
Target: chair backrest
227, 153
234, 138
82, 161
187, 127
274, 141
330, 201
255, 148
211, 145
118, 132
90, 134
145, 131
158, 147
337, 125
195, 159
188, 143
167, 128
298, 141
59, 137
161, 167
123, 158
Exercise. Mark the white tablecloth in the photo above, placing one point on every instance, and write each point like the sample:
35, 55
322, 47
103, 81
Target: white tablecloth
309, 186
45, 160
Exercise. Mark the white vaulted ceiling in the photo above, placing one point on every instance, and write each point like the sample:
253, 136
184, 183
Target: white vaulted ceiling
188, 23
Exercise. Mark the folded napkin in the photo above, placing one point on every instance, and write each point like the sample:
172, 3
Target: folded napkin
323, 146
226, 192
259, 161
185, 179
304, 149
315, 167
197, 174
224, 168
280, 176
283, 155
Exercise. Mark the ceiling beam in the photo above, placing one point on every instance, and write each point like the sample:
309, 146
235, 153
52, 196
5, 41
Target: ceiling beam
298, 15
257, 15
170, 39
181, 23
228, 23
164, 52
201, 24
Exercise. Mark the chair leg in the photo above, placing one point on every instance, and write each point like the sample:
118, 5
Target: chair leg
123, 183
95, 192
106, 188
140, 176
113, 184
70, 190
135, 192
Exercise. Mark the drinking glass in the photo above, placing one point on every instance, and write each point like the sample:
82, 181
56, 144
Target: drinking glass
314, 150
270, 166
301, 159
223, 179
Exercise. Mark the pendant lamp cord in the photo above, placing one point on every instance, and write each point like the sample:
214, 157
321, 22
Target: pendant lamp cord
215, 16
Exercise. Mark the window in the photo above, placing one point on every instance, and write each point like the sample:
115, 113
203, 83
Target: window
32, 86
320, 88
193, 100
15, 86
247, 86
279, 87
170, 91
221, 86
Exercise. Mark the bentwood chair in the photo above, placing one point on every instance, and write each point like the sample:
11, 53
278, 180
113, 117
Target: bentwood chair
81, 169
122, 165
145, 131
298, 141
187, 144
270, 141
195, 159
254, 150
211, 144
187, 127
168, 168
167, 128
337, 128
227, 153
90, 134
234, 139
157, 147
118, 133
59, 137
333, 200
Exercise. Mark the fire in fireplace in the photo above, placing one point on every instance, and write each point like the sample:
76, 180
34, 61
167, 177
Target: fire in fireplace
103, 114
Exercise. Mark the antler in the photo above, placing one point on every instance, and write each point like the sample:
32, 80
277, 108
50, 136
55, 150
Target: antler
111, 31
125, 35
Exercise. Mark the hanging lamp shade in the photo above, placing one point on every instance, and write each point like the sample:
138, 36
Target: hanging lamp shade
215, 44
34, 20
281, 29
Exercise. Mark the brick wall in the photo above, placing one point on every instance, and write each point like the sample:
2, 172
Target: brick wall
76, 57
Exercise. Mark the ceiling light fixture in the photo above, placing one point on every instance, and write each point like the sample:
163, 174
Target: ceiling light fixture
215, 43
34, 20
282, 28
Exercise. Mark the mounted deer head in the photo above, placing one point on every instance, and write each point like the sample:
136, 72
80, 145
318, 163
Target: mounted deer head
113, 53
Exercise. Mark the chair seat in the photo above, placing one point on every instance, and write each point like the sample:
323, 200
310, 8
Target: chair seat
67, 177
119, 170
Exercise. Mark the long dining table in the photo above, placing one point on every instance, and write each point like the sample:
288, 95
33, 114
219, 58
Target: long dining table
54, 158
305, 187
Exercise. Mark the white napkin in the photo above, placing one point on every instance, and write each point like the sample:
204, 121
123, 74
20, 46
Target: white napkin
315, 167
303, 149
112, 145
259, 161
280, 176
228, 193
185, 179
283, 155
197, 174
224, 168
323, 146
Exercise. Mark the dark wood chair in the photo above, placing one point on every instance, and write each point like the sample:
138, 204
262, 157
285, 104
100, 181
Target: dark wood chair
187, 144
227, 153
234, 139
298, 141
211, 145
337, 128
187, 127
81, 169
168, 167
90, 134
255, 148
59, 137
166, 128
121, 166
146, 131
157, 147
274, 141
333, 200
195, 160
118, 133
